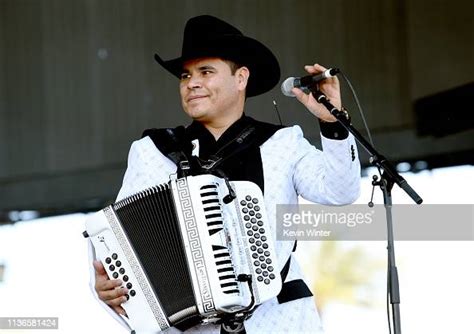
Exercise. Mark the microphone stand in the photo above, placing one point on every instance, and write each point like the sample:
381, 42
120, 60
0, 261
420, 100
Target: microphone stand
389, 177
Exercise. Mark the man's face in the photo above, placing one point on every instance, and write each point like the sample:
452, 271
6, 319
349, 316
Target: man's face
209, 90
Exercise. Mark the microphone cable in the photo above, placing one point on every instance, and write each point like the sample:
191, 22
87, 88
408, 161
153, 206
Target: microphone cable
359, 106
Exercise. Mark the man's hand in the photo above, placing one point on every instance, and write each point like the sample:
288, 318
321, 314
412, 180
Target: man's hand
330, 88
108, 290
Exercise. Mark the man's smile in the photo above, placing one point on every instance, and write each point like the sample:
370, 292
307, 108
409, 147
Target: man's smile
195, 97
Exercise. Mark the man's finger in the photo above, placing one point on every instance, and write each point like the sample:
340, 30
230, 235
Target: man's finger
112, 294
319, 67
107, 284
119, 310
116, 301
300, 95
99, 267
314, 69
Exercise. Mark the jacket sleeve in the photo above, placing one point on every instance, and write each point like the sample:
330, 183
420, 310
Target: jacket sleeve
330, 176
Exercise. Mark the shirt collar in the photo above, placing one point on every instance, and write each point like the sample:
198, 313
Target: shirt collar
208, 144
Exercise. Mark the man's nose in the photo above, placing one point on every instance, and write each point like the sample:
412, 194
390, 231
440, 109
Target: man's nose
194, 82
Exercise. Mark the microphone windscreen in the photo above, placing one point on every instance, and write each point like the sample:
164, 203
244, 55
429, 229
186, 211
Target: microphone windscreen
287, 85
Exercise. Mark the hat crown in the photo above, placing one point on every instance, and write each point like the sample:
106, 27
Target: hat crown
203, 30
207, 25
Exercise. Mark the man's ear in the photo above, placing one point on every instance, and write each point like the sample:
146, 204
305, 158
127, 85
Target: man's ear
242, 75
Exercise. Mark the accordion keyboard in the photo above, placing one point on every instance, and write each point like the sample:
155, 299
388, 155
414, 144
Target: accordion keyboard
263, 266
214, 221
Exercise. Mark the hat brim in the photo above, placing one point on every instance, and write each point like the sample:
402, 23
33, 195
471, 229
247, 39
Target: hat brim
261, 62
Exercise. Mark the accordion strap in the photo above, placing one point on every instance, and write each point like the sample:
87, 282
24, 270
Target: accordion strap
170, 142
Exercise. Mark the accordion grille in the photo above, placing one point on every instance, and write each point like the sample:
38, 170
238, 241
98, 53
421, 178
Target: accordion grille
151, 224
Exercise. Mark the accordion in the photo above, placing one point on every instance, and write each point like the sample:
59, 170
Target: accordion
182, 248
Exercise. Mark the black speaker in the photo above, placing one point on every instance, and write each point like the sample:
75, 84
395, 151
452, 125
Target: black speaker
445, 113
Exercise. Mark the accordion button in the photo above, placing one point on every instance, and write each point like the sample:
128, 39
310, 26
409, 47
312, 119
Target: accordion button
262, 230
257, 263
265, 245
267, 281
272, 276
255, 255
122, 271
115, 275
246, 218
253, 220
245, 210
258, 271
242, 202
132, 293
251, 240
253, 248
118, 263
129, 285
112, 267
108, 260
260, 278
127, 296
264, 266
249, 205
255, 201
258, 243
248, 197
265, 273
260, 223
248, 225
268, 261
256, 235
261, 258
260, 251
258, 215
270, 269
252, 213
114, 256
264, 238
256, 208
249, 233
255, 228
267, 253
125, 278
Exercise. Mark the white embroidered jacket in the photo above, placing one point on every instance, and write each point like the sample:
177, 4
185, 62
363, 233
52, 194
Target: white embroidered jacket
292, 167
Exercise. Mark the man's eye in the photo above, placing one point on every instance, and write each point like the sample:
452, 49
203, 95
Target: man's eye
185, 76
206, 72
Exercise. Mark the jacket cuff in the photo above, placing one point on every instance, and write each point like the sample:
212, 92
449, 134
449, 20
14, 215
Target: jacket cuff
333, 130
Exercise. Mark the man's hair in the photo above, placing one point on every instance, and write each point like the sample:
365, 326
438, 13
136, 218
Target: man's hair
233, 65
233, 68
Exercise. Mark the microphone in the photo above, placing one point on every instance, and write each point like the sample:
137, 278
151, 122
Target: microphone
306, 81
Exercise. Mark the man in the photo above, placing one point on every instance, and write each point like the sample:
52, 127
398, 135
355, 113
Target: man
218, 69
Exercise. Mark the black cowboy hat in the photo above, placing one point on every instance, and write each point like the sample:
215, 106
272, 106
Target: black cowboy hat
208, 36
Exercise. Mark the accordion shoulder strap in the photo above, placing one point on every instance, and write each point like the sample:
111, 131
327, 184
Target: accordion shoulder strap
171, 143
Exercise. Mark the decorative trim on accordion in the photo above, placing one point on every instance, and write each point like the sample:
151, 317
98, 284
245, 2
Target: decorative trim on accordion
132, 260
192, 233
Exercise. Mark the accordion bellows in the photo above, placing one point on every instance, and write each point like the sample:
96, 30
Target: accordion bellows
179, 249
